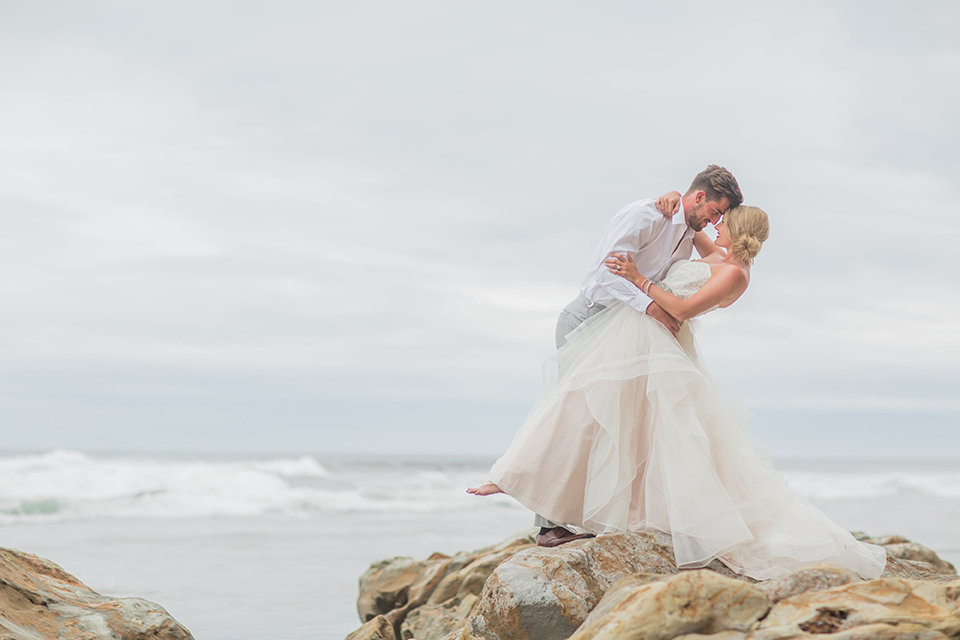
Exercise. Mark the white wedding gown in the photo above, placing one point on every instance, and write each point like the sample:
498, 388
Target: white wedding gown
636, 435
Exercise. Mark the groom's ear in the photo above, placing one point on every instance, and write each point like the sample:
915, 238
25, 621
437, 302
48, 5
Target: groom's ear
699, 196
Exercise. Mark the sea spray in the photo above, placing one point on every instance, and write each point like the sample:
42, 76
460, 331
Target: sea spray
70, 485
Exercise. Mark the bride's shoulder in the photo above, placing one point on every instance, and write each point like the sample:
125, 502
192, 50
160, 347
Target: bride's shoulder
730, 272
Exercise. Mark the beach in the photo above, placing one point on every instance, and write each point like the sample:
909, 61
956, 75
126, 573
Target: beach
271, 547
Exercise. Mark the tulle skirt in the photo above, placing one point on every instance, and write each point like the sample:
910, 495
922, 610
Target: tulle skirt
632, 433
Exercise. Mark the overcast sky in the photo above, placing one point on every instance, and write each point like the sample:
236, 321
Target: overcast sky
327, 227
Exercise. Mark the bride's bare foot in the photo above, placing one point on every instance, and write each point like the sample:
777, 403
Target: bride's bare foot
486, 490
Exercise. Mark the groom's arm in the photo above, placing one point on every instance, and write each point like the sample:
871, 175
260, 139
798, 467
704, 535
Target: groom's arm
638, 300
629, 231
658, 313
624, 267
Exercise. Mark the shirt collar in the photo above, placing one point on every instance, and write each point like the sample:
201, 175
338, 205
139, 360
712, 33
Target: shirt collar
680, 217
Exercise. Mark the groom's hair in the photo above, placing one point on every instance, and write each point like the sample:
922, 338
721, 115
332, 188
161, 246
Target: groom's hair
718, 183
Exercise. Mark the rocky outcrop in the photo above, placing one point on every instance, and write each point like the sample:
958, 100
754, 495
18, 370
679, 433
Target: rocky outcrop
628, 586
929, 610
910, 554
692, 602
696, 604
40, 601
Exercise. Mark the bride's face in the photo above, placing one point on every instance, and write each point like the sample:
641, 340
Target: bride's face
722, 239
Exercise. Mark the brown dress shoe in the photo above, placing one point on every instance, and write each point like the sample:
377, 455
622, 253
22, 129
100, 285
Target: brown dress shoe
558, 536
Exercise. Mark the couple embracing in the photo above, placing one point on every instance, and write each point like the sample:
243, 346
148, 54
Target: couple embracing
631, 433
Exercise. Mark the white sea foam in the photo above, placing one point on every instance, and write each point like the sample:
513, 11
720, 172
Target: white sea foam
69, 485
302, 467
847, 486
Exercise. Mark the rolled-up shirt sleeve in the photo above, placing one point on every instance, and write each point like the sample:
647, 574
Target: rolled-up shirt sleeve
625, 291
628, 232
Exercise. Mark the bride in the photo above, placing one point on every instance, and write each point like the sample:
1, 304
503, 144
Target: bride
631, 433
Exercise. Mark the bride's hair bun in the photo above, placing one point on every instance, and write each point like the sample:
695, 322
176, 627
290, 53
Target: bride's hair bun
748, 228
746, 248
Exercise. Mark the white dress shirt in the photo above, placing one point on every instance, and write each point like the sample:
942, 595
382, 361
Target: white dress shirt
654, 241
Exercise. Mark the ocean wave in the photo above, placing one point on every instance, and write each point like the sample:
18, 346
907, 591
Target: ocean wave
69, 485
853, 486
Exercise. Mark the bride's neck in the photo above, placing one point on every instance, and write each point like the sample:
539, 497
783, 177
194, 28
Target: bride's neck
735, 261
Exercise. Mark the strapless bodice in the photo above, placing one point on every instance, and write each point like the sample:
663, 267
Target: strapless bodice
685, 277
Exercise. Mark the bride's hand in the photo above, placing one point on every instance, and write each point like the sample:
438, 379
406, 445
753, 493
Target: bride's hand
623, 266
669, 203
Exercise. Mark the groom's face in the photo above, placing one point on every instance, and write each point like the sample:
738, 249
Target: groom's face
707, 211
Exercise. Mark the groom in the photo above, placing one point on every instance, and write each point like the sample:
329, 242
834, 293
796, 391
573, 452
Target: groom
655, 241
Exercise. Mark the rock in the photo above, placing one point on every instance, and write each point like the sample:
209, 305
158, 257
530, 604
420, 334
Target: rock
889, 632
915, 570
516, 591
886, 601
818, 578
392, 589
471, 578
39, 600
693, 602
377, 628
723, 635
438, 620
622, 591
919, 553
545, 594
902, 549
866, 632
400, 583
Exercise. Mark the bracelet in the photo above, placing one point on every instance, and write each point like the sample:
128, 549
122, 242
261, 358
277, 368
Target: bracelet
646, 286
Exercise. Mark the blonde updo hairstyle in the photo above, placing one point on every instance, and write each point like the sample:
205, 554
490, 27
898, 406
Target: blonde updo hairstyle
748, 228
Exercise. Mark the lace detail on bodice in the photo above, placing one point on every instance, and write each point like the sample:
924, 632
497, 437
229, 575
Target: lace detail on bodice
684, 278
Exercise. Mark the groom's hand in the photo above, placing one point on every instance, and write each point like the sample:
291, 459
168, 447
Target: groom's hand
656, 311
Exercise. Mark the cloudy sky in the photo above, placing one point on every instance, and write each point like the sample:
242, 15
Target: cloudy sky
328, 227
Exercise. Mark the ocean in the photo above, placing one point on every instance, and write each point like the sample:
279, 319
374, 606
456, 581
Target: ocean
271, 547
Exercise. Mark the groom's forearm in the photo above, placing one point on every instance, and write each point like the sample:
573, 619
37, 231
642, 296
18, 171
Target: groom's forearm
624, 291
627, 232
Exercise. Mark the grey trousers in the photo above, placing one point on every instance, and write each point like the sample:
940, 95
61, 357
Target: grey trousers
572, 316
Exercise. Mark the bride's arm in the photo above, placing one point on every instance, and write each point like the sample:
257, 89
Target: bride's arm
705, 245
669, 203
723, 288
